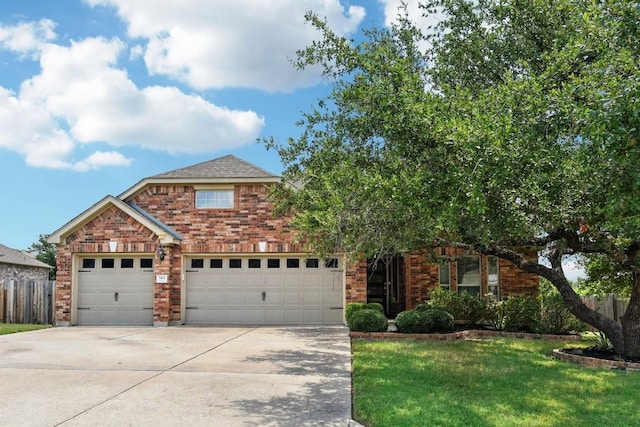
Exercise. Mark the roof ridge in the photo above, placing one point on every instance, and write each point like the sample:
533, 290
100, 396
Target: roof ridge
228, 166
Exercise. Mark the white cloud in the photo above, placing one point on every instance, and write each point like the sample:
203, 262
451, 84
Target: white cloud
222, 43
82, 97
27, 37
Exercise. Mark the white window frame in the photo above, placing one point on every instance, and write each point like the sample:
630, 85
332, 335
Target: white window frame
493, 277
442, 265
214, 199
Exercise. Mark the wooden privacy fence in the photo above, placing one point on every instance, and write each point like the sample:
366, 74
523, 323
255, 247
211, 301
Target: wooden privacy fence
610, 306
27, 301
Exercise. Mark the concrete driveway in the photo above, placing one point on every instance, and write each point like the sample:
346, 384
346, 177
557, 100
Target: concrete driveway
178, 376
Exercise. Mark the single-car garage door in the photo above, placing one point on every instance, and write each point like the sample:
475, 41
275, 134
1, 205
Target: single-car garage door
279, 290
115, 291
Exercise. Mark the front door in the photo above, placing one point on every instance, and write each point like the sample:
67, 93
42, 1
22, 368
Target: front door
385, 284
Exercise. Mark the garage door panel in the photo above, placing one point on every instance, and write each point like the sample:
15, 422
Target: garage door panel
277, 290
114, 295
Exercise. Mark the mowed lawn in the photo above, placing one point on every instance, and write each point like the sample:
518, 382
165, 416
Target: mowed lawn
12, 328
490, 382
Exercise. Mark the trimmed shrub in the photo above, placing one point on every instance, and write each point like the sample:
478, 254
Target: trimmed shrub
414, 322
368, 320
353, 307
462, 305
441, 320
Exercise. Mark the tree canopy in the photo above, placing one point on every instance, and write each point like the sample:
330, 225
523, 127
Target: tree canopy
45, 252
508, 125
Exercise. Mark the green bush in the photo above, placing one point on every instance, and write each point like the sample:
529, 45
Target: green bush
462, 305
555, 317
368, 320
352, 307
424, 321
521, 313
414, 322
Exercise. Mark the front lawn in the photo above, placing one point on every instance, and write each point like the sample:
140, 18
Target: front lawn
12, 328
491, 382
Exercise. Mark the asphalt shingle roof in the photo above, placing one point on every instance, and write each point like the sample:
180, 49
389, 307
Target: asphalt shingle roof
13, 256
228, 166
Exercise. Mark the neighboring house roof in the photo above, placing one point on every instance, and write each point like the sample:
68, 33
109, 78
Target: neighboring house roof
16, 257
223, 170
166, 233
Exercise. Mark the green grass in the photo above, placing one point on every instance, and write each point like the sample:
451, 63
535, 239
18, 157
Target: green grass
493, 382
11, 328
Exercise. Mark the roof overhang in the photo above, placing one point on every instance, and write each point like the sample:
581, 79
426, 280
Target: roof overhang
141, 185
165, 237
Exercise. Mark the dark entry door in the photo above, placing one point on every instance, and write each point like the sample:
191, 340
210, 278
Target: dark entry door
385, 284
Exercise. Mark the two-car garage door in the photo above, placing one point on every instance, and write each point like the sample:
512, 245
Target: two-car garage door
115, 291
264, 290
249, 290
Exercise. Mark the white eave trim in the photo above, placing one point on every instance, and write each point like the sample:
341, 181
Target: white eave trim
194, 181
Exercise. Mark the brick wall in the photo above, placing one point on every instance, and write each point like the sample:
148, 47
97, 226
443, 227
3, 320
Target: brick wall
235, 230
422, 275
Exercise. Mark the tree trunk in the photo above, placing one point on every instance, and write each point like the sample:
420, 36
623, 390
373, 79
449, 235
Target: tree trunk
631, 321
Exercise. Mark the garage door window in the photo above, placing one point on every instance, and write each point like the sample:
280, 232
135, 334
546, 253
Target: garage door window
108, 263
88, 263
313, 263
235, 263
215, 263
254, 263
197, 263
146, 263
331, 263
273, 263
293, 263
126, 263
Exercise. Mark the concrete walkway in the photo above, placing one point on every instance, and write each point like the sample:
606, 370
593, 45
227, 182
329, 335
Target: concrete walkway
177, 376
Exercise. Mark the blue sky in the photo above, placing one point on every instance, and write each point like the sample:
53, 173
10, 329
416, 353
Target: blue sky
98, 94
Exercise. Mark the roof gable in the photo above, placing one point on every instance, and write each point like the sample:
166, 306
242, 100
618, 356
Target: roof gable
228, 166
166, 233
16, 257
223, 170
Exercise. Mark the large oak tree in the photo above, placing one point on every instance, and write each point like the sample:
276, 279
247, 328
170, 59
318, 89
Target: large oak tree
511, 125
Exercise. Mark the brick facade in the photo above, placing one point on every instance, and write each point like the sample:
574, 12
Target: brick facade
139, 221
421, 275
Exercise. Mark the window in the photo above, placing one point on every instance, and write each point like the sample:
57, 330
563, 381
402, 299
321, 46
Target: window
293, 263
444, 275
108, 263
214, 199
197, 263
273, 263
254, 263
146, 263
469, 275
235, 263
493, 273
215, 263
126, 263
89, 263
313, 263
331, 263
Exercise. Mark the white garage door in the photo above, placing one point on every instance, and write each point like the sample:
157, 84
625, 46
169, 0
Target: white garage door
115, 291
264, 291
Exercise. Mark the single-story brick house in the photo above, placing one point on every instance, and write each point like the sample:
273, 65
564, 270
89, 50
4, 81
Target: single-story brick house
199, 245
20, 265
